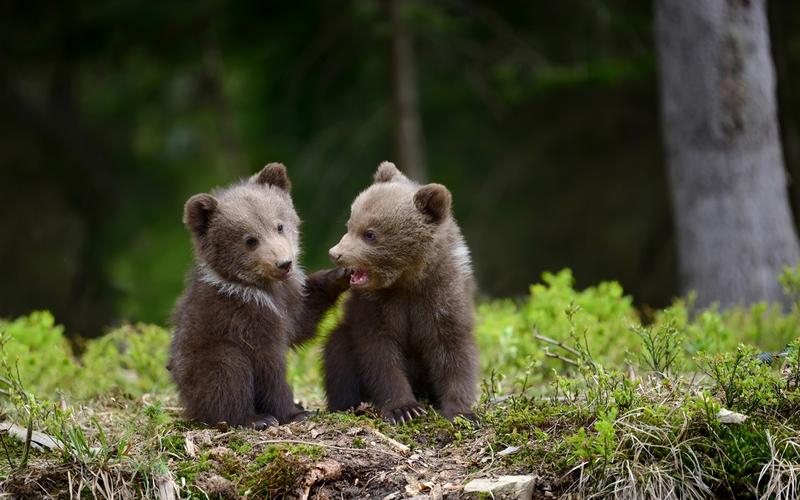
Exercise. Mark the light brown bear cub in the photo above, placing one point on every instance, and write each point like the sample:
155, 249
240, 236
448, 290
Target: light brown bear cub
407, 331
245, 304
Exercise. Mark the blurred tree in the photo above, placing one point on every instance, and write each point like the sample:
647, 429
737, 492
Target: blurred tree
729, 194
409, 145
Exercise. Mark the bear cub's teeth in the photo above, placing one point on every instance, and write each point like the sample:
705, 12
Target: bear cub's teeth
359, 277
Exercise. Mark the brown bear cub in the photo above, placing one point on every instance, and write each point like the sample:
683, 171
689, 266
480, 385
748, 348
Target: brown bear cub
407, 331
246, 303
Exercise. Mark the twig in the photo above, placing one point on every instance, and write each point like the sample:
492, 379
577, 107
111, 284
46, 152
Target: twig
555, 342
330, 446
394, 443
222, 435
28, 439
562, 358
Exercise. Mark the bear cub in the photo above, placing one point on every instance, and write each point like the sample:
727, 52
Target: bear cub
246, 303
407, 331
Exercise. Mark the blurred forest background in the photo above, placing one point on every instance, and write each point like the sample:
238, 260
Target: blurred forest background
541, 117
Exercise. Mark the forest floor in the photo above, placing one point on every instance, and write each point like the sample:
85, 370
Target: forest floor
653, 438
346, 455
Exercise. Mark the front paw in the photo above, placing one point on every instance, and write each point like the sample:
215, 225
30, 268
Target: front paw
264, 422
403, 414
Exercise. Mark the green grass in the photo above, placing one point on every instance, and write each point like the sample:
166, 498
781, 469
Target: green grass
578, 387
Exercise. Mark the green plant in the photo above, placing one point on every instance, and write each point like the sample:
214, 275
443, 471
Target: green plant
744, 382
598, 447
662, 346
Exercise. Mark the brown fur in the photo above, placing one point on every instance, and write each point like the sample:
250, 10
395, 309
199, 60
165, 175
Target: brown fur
242, 309
407, 333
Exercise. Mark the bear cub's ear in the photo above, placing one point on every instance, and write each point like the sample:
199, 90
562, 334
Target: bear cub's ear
274, 174
388, 172
197, 213
433, 200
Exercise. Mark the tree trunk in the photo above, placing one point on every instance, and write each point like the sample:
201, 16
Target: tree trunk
409, 143
729, 195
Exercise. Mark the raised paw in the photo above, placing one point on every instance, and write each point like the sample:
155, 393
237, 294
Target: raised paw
337, 280
403, 414
263, 422
341, 278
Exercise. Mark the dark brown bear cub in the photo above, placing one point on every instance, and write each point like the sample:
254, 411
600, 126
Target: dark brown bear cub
407, 330
246, 303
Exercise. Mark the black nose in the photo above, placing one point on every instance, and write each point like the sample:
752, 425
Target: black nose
284, 265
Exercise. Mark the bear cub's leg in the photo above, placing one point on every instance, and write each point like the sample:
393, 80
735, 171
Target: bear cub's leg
384, 377
342, 385
221, 388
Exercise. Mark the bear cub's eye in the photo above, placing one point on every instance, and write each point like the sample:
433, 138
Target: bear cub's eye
280, 228
251, 242
369, 235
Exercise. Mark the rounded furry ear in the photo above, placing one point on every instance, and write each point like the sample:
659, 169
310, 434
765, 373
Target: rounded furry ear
387, 172
433, 200
274, 174
197, 213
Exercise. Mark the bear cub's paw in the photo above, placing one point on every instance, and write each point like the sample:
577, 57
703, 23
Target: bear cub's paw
264, 421
340, 279
403, 414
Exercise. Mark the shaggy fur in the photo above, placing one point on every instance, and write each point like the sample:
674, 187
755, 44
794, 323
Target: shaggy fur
245, 304
407, 331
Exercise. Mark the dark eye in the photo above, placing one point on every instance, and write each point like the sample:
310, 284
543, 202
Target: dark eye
251, 242
369, 235
280, 228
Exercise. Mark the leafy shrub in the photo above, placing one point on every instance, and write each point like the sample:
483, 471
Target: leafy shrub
130, 359
741, 379
36, 347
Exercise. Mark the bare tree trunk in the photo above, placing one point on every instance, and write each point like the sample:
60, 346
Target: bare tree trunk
729, 195
409, 143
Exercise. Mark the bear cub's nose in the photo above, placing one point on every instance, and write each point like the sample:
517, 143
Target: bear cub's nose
334, 256
285, 264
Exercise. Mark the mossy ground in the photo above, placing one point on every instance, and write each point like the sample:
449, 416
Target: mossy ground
578, 389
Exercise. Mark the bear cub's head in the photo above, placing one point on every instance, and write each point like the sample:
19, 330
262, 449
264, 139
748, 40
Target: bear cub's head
394, 230
248, 233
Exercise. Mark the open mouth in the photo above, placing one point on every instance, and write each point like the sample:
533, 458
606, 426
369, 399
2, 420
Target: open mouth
359, 277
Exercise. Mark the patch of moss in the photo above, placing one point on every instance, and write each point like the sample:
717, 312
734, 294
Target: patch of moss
190, 468
238, 445
275, 473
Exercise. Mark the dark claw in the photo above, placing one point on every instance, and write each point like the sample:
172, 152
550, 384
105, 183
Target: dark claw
404, 414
